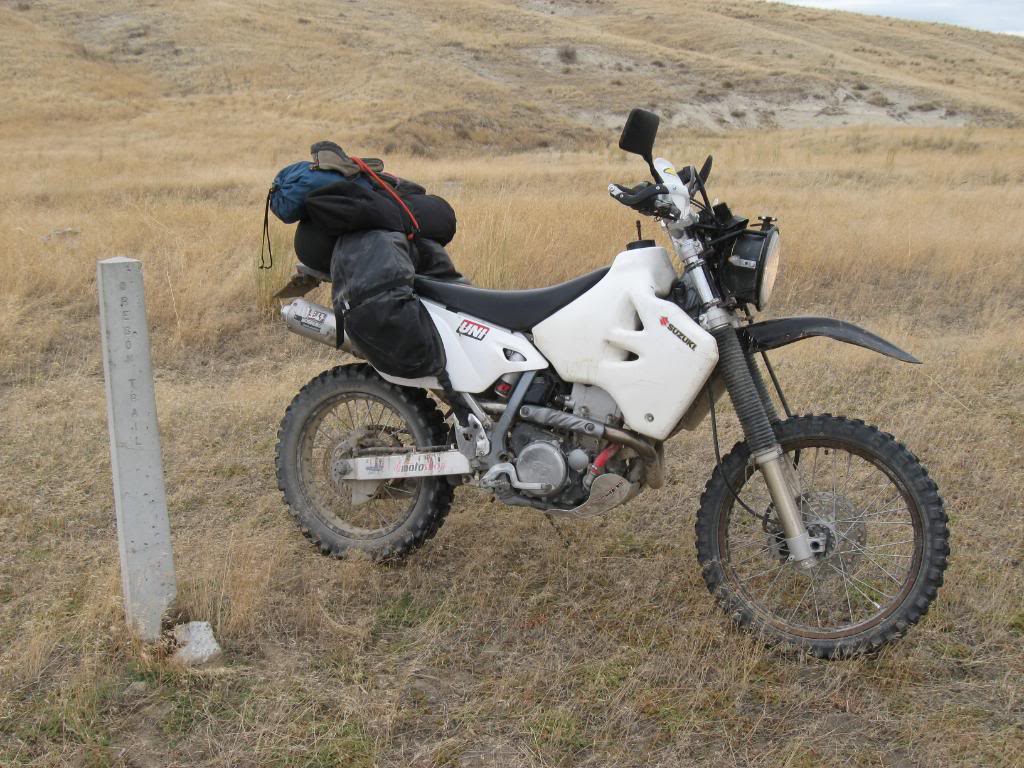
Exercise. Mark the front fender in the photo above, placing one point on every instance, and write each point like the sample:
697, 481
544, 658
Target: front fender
772, 334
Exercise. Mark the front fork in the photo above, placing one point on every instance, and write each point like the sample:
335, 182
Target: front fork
770, 468
778, 474
753, 406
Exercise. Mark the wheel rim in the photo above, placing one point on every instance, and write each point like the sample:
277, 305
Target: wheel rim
869, 529
349, 425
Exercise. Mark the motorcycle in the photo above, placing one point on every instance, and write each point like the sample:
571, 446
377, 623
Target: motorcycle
817, 531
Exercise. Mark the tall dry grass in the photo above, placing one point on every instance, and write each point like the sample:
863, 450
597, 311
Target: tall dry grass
501, 642
911, 216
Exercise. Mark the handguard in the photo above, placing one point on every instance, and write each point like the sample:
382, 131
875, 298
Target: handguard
645, 198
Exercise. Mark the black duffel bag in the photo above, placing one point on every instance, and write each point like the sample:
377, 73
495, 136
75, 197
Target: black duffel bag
315, 248
372, 276
394, 204
362, 198
346, 206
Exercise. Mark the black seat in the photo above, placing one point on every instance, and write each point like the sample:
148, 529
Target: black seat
515, 310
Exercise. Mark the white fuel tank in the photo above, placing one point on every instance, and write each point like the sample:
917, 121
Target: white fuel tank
622, 336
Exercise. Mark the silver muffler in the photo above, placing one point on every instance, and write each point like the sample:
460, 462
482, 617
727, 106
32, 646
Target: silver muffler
314, 321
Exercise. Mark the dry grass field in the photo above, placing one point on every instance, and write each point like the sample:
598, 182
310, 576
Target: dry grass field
153, 129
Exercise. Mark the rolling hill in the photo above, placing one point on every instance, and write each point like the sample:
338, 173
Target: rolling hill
466, 75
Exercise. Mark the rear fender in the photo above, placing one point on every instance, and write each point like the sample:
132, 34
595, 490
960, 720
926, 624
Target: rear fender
772, 334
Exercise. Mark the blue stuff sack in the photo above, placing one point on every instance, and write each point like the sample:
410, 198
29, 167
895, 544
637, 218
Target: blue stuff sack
288, 193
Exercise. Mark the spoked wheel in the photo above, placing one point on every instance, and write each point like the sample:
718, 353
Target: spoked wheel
877, 528
350, 412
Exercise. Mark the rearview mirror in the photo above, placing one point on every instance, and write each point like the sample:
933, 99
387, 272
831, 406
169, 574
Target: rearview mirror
639, 132
705, 170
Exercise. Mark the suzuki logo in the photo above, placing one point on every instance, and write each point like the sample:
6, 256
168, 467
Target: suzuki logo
679, 334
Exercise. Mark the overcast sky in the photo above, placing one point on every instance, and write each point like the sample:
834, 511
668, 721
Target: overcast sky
991, 15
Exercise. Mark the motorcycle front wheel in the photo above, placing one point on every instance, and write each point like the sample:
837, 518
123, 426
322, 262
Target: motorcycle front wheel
880, 529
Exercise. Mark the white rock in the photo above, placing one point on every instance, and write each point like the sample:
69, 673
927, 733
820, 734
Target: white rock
61, 233
196, 643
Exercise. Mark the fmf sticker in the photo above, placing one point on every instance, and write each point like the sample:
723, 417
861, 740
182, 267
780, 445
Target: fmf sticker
679, 334
314, 319
472, 329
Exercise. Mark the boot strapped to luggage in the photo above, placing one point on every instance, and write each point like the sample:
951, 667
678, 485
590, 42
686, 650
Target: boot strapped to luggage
328, 156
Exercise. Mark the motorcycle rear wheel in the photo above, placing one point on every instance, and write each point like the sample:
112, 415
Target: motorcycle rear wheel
881, 528
351, 411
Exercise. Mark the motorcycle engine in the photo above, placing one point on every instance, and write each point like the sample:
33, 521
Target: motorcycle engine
542, 462
541, 458
560, 458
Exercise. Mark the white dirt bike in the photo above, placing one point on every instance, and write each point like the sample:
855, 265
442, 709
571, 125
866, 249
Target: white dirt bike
819, 531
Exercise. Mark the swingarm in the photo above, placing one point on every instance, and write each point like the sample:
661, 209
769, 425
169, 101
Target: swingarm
398, 466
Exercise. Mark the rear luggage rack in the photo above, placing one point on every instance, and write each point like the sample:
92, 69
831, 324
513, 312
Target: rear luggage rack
302, 282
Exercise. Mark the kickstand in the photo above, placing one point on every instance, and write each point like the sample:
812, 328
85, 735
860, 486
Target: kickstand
562, 536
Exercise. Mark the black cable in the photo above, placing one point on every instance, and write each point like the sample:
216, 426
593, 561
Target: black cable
782, 399
778, 387
765, 520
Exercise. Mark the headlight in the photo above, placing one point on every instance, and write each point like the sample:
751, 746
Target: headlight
769, 269
750, 271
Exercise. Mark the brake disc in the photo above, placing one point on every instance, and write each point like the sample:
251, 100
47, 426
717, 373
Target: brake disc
831, 520
835, 518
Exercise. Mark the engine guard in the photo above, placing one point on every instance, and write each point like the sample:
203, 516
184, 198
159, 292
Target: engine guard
607, 492
772, 334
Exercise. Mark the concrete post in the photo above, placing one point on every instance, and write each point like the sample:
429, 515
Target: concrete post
143, 530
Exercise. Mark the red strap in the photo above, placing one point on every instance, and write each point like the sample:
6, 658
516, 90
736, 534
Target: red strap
394, 195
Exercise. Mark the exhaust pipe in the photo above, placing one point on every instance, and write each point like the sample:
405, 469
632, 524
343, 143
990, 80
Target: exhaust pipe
314, 321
